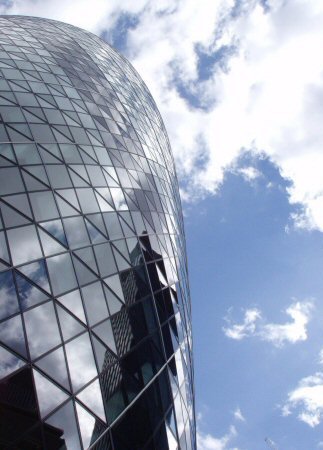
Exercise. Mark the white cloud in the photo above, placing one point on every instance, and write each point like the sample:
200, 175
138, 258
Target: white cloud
278, 334
247, 328
238, 415
264, 93
307, 400
206, 441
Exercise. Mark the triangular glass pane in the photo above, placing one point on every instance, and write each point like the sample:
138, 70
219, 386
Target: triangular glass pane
12, 335
76, 180
114, 284
11, 217
64, 419
37, 273
104, 356
54, 365
8, 297
104, 332
38, 172
29, 294
50, 245
7, 152
53, 149
80, 170
95, 235
20, 202
73, 302
49, 396
87, 256
55, 228
9, 363
122, 263
84, 275
70, 196
3, 248
87, 423
65, 208
91, 397
114, 304
69, 325
31, 183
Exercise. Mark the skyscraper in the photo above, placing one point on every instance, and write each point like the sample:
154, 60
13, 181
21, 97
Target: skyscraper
95, 322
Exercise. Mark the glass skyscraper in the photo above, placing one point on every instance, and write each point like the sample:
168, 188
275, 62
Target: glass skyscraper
95, 322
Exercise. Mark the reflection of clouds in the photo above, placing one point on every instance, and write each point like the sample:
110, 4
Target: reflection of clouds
73, 302
42, 329
61, 273
92, 398
76, 232
24, 244
29, 294
119, 200
87, 423
80, 361
36, 272
9, 363
50, 246
8, 298
64, 419
54, 365
49, 396
11, 333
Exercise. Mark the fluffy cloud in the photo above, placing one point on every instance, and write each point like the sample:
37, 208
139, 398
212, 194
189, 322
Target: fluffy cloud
246, 328
307, 400
278, 334
238, 415
206, 441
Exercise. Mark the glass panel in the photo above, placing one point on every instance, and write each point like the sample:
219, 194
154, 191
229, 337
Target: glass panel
69, 325
104, 331
37, 273
58, 176
76, 232
8, 297
24, 244
81, 361
87, 423
54, 365
64, 420
49, 396
73, 302
42, 329
27, 154
11, 181
92, 398
95, 303
29, 295
105, 259
9, 363
61, 273
43, 205
12, 335
87, 200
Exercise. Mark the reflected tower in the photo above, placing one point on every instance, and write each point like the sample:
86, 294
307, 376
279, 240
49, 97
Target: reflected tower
95, 321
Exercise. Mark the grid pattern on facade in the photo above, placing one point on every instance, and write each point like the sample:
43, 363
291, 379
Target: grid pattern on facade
95, 325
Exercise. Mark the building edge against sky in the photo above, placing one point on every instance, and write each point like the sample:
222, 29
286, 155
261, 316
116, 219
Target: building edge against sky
95, 321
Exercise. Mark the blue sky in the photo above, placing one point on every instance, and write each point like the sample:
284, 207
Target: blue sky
239, 85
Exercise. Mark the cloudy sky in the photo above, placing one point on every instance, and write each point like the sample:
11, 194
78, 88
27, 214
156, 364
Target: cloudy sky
239, 84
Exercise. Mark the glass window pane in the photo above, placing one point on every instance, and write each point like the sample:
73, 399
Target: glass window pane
24, 244
81, 361
61, 273
43, 205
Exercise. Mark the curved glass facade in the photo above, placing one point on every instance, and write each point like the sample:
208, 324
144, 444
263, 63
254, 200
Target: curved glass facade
95, 327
